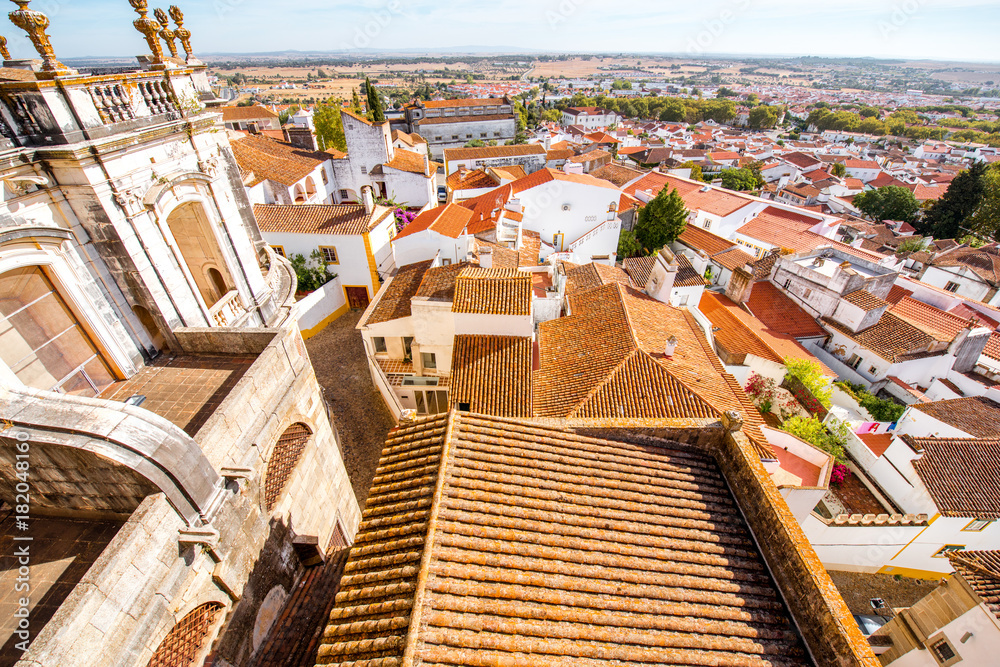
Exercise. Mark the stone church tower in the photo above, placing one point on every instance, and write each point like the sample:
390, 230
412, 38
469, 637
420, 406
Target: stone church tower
165, 450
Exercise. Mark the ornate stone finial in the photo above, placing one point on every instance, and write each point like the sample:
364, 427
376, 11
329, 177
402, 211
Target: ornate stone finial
168, 35
732, 421
149, 28
182, 33
4, 51
35, 23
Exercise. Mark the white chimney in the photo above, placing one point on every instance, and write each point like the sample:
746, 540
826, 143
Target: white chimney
670, 347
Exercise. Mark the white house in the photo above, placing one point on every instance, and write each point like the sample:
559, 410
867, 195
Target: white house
441, 232
530, 157
276, 172
590, 118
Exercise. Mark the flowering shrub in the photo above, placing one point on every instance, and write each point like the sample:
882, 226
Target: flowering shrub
830, 438
788, 406
403, 218
840, 473
762, 390
810, 375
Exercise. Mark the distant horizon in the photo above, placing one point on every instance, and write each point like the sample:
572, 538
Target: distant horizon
961, 31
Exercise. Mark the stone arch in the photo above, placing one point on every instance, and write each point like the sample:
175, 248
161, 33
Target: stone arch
285, 456
299, 194
310, 187
189, 225
156, 450
189, 638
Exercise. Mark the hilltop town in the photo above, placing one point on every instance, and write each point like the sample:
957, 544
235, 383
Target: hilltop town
582, 360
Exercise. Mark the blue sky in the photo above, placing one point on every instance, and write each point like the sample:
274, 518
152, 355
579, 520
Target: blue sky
952, 30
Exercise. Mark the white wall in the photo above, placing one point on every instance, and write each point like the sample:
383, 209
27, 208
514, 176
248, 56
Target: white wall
353, 268
316, 308
493, 325
982, 648
428, 244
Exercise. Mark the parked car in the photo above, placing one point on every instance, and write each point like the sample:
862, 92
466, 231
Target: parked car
442, 194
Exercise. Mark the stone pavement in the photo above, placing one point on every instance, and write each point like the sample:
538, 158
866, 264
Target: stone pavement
359, 412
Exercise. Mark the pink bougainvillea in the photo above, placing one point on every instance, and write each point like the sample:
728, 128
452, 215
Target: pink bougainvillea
403, 218
840, 474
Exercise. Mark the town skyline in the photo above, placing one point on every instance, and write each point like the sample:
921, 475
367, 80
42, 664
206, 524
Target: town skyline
913, 29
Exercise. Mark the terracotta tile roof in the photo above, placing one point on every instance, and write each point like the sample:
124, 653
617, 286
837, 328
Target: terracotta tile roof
557, 154
595, 354
511, 172
732, 259
439, 283
531, 247
966, 313
232, 114
543, 176
976, 415
701, 239
787, 230
394, 303
464, 102
487, 208
411, 139
686, 275
492, 374
865, 300
591, 156
981, 570
588, 276
295, 636
878, 444
961, 475
492, 292
779, 313
275, 160
937, 323
993, 347
763, 267
470, 180
408, 161
984, 262
344, 219
503, 258
897, 293
696, 196
450, 220
740, 333
891, 338
544, 547
616, 174
639, 269
486, 152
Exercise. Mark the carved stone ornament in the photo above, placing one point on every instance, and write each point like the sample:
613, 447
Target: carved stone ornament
210, 167
168, 35
35, 23
182, 33
130, 201
4, 51
149, 28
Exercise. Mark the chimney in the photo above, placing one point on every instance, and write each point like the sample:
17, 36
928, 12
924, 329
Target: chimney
368, 199
670, 347
301, 137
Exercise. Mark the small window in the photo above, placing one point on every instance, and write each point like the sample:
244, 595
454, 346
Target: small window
468, 136
977, 526
947, 549
364, 170
708, 224
344, 195
496, 134
464, 407
278, 249
483, 135
454, 136
952, 287
429, 360
379, 343
873, 371
854, 361
329, 254
326, 179
684, 300
943, 651
445, 261
807, 294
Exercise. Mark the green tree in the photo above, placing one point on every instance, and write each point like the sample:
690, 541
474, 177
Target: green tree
661, 221
726, 92
321, 74
674, 111
892, 202
985, 222
838, 169
948, 215
810, 374
742, 179
763, 118
696, 174
474, 143
552, 115
628, 245
814, 432
329, 126
312, 273
355, 102
375, 111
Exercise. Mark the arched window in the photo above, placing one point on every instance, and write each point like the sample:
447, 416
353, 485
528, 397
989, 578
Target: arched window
219, 283
300, 195
193, 233
310, 186
284, 458
43, 342
186, 640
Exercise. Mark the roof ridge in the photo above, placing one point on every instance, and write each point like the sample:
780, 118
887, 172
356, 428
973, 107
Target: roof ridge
423, 573
603, 383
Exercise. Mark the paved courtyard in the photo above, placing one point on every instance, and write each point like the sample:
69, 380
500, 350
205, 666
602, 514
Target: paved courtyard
359, 412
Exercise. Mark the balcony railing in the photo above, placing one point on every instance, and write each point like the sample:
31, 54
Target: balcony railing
228, 311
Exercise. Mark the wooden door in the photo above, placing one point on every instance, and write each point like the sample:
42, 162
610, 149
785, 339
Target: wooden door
357, 297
